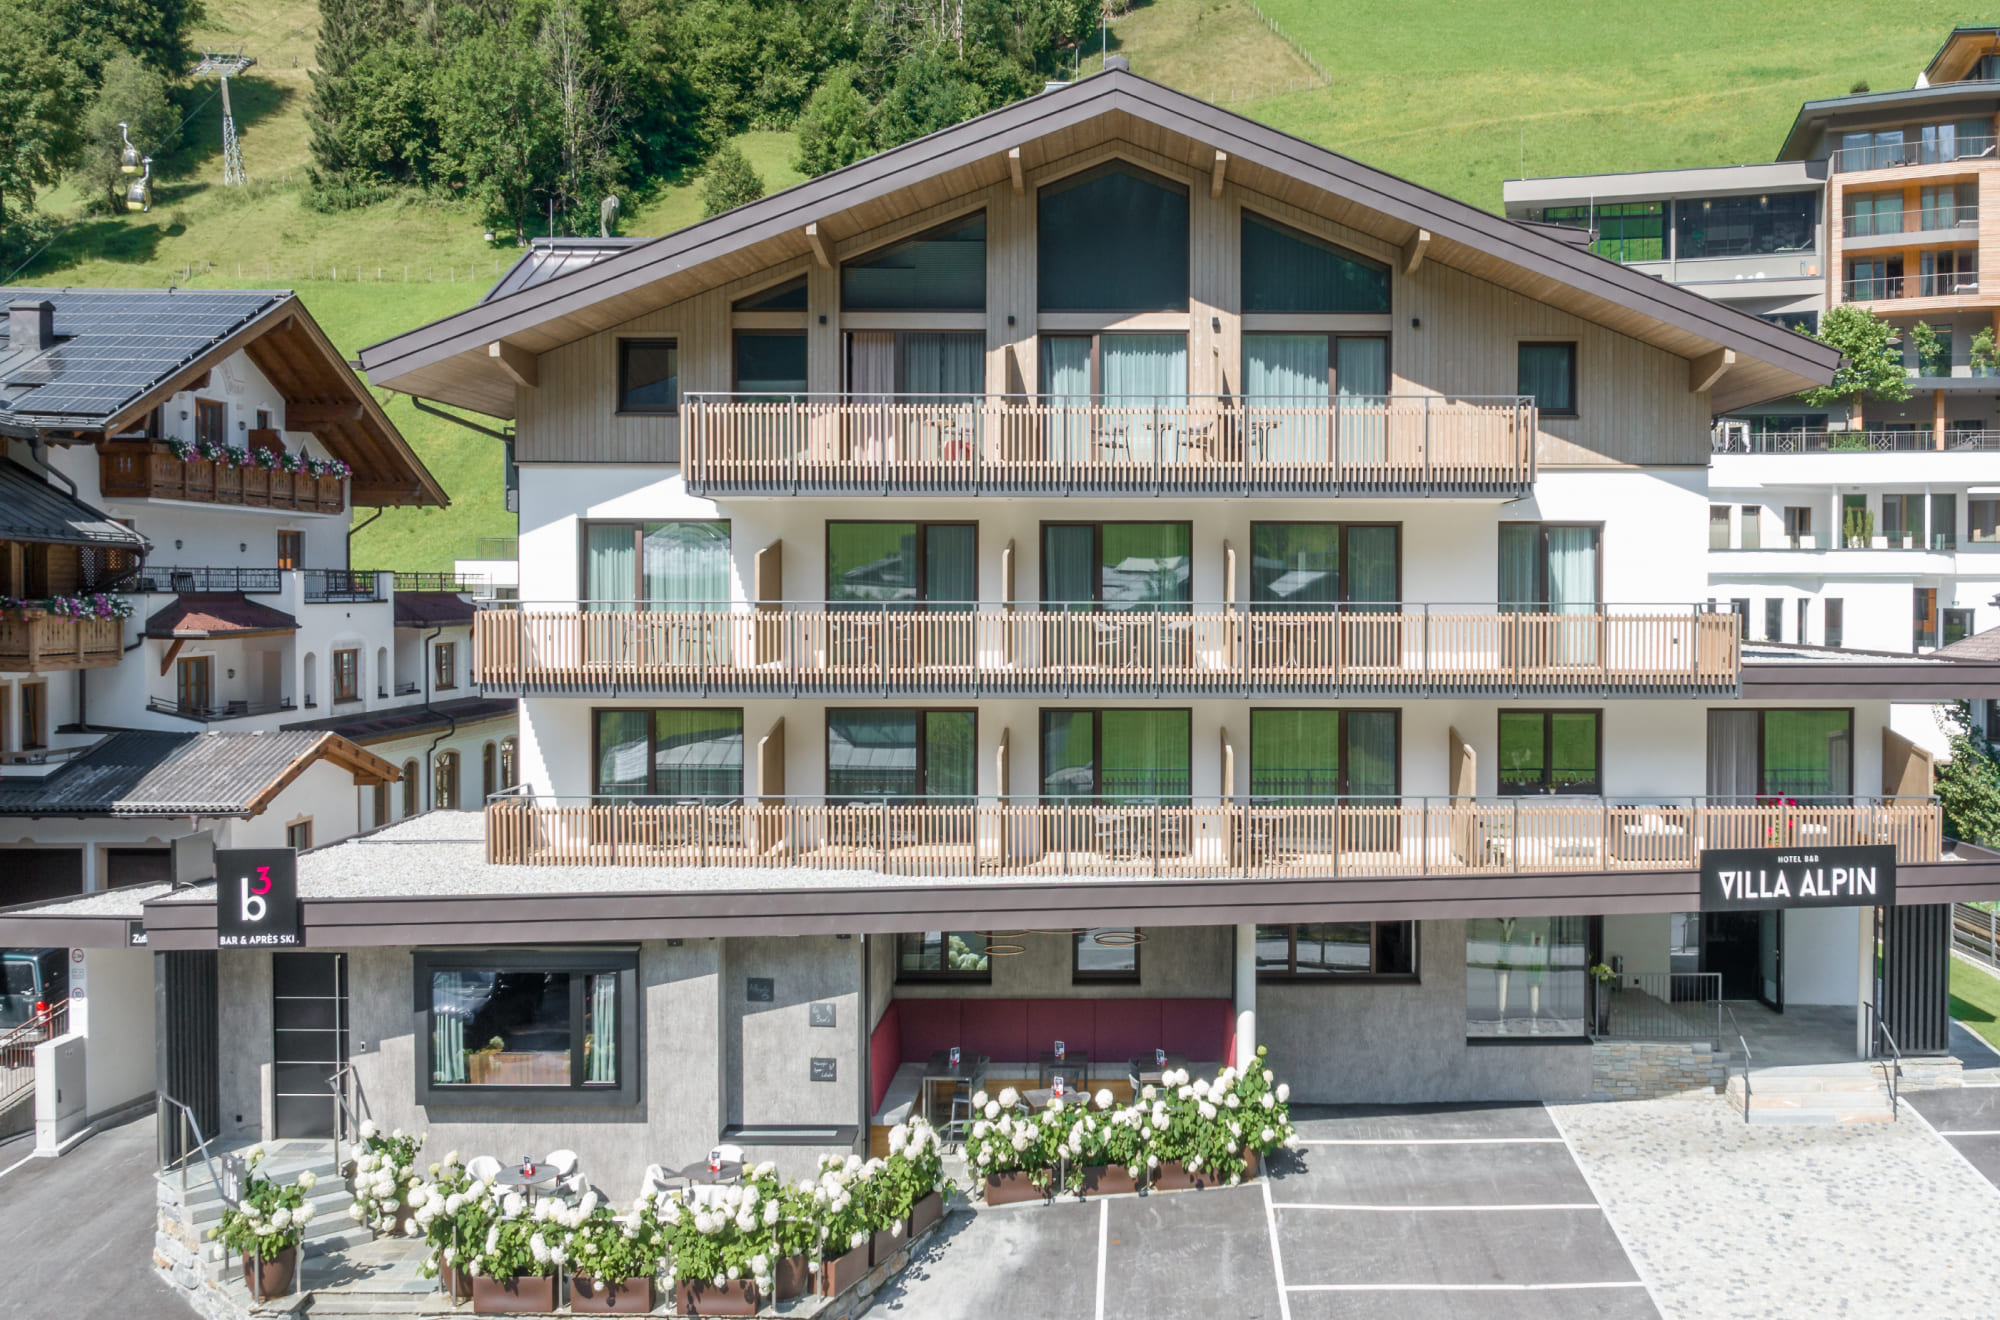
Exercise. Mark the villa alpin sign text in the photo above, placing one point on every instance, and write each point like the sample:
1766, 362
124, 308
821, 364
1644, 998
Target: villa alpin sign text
256, 897
1754, 879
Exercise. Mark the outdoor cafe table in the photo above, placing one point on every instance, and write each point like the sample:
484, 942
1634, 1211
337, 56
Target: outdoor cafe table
543, 1177
1074, 1066
699, 1172
1145, 1070
939, 1073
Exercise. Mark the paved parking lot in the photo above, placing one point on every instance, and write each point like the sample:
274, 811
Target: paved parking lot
1448, 1213
1968, 1118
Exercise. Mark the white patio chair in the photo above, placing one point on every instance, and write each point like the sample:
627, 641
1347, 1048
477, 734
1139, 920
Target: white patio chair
482, 1167
568, 1179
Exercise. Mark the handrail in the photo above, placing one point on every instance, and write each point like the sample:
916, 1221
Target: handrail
189, 1123
344, 1113
1895, 1069
46, 1025
1744, 1043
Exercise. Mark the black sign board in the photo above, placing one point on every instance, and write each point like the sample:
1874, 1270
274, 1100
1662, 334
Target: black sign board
135, 934
760, 990
1759, 879
825, 1070
257, 898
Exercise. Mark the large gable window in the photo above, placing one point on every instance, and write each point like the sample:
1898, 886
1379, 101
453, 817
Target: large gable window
1288, 271
1113, 239
941, 270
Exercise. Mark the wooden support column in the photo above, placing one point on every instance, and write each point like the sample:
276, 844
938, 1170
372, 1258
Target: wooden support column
1014, 170
1215, 178
1937, 418
1415, 250
517, 362
822, 253
173, 650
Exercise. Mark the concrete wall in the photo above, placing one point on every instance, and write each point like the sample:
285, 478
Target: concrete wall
1641, 939
1823, 956
767, 1047
243, 1022
116, 1015
1404, 1043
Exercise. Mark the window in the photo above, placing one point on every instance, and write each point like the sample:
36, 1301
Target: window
1944, 522
1297, 756
489, 771
263, 419
1299, 377
509, 772
1806, 321
1131, 755
902, 563
661, 563
1129, 373
901, 754
1983, 520
1923, 618
1740, 607
770, 363
649, 376
291, 550
381, 816
1336, 949
1798, 526
1626, 231
1872, 213
1718, 527
1526, 976
945, 365
1551, 752
1285, 270
444, 782
1549, 564
1800, 754
444, 665
1548, 375
1105, 954
1857, 524
299, 835
1774, 619
193, 693
1306, 564
790, 296
1832, 623
211, 422
34, 715
1753, 527
1957, 626
1745, 226
528, 1027
1948, 271
675, 753
347, 675
942, 270
1113, 239
412, 786
943, 955
1879, 277
1118, 566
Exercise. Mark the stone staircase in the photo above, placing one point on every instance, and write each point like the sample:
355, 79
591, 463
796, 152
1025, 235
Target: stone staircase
1818, 1093
181, 1247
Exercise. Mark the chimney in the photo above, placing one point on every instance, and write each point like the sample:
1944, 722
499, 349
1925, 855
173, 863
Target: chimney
1117, 63
31, 326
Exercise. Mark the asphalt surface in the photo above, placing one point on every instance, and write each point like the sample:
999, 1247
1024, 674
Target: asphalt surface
80, 1228
1968, 1118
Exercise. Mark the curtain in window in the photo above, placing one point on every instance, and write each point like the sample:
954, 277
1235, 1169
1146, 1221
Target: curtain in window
698, 753
451, 994
1732, 755
1146, 565
1371, 563
1371, 753
871, 753
622, 749
686, 563
610, 564
871, 380
1520, 565
1285, 385
600, 1044
1069, 563
1144, 374
1361, 378
950, 754
1143, 754
1294, 564
1572, 583
1294, 754
1545, 374
936, 362
1069, 753
951, 566
1806, 753
1066, 379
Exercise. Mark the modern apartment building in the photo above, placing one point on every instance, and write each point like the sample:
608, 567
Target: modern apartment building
1107, 573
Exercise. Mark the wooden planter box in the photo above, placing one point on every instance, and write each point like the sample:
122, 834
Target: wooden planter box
1172, 1177
617, 1297
840, 1273
228, 484
794, 1279
926, 1213
1009, 1188
274, 1277
1108, 1180
456, 1286
700, 1297
885, 1243
523, 1295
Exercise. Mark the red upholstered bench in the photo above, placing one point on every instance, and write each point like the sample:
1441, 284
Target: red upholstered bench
1018, 1030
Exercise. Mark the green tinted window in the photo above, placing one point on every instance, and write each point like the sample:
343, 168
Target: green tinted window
940, 271
1113, 239
1288, 271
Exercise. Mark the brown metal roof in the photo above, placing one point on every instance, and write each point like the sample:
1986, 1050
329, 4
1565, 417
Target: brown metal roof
433, 609
224, 614
448, 359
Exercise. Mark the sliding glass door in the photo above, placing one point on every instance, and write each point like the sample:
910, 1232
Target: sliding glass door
929, 754
1123, 756
1332, 764
1289, 379
674, 755
1116, 399
1766, 755
1551, 569
1118, 566
1305, 566
663, 567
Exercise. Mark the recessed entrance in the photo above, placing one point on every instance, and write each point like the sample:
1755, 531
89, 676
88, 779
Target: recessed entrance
308, 1040
1747, 950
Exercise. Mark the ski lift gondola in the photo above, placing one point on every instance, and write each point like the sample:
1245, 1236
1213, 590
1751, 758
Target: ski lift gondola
139, 193
128, 159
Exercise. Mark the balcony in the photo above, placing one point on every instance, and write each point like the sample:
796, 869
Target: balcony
1901, 288
1935, 149
1052, 651
340, 586
148, 471
33, 641
1388, 445
1220, 839
1921, 441
205, 581
456, 584
1894, 230
225, 710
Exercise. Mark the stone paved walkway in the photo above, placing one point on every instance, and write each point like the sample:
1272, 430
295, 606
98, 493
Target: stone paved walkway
1727, 1220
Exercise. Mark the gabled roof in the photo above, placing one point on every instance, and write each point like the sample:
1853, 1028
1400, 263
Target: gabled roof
33, 511
217, 614
1979, 646
119, 353
433, 609
1868, 108
375, 726
1960, 51
449, 359
185, 774
547, 258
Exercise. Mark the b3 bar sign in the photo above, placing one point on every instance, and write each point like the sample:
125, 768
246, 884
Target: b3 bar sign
1758, 879
256, 898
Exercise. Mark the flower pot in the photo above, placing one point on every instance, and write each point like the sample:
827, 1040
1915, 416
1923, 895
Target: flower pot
1008, 1188
884, 1243
840, 1273
793, 1279
1172, 1176
274, 1277
587, 1296
522, 1295
701, 1297
456, 1286
926, 1213
1108, 1180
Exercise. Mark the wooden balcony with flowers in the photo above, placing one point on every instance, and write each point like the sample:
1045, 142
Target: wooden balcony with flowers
62, 632
265, 475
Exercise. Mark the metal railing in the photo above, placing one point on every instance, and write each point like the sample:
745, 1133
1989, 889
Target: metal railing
227, 710
1057, 648
496, 547
1742, 1043
179, 1155
1144, 826
345, 1120
1060, 444
1939, 149
1888, 288
457, 584
342, 586
1976, 931
1930, 220
251, 581
1659, 1006
17, 1050
1882, 1047
1920, 441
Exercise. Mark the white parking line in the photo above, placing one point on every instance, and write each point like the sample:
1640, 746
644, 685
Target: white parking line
1436, 1209
1103, 1238
1631, 1258
1461, 1287
1431, 1141
1277, 1258
1963, 1132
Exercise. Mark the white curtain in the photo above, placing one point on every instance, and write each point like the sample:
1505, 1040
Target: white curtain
871, 379
1573, 591
601, 1046
1066, 379
1285, 389
448, 1026
1732, 754
1144, 373
1361, 377
952, 364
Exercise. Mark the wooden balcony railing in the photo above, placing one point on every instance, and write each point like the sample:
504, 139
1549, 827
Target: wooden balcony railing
904, 444
1047, 650
150, 471
1333, 837
34, 641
